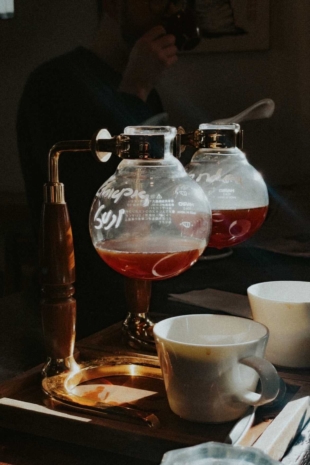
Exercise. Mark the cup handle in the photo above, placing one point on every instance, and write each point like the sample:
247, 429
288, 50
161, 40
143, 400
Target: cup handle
269, 378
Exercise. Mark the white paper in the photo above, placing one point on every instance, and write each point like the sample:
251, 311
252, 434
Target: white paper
111, 394
39, 408
299, 453
284, 429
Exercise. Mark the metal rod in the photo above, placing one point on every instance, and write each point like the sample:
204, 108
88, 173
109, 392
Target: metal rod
64, 146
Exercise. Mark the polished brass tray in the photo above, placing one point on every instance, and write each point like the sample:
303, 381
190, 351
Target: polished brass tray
107, 391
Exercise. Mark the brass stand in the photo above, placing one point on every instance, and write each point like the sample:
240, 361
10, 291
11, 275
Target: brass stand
57, 269
60, 394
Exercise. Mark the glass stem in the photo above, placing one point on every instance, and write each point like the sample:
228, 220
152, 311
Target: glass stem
137, 327
138, 295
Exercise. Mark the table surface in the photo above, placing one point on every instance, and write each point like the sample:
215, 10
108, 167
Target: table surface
21, 343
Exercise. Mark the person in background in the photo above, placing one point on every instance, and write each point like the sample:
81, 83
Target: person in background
109, 85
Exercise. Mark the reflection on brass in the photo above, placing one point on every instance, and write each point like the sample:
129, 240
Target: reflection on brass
143, 147
53, 189
59, 388
179, 148
137, 332
128, 146
60, 147
103, 145
211, 138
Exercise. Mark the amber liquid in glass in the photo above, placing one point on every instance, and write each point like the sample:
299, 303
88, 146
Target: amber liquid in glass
231, 227
163, 258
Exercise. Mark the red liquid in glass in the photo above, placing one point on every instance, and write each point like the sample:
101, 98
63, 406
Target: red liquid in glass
230, 227
164, 258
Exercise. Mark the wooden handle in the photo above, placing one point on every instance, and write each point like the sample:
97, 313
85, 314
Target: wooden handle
57, 274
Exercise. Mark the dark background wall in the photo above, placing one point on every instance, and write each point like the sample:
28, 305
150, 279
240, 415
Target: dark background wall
200, 88
40, 30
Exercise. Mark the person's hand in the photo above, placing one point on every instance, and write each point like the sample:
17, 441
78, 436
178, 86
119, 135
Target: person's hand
151, 55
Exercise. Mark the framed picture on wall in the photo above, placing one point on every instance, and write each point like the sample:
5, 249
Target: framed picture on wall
232, 25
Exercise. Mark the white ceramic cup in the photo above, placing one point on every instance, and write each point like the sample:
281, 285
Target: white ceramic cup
211, 365
284, 307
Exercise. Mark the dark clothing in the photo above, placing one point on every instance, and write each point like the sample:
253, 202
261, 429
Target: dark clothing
70, 98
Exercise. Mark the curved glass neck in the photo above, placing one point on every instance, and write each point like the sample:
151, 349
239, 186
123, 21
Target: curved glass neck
162, 138
218, 135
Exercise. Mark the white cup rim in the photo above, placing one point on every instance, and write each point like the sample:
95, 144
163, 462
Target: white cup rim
210, 344
256, 289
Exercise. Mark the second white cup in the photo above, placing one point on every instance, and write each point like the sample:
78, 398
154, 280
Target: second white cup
284, 307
